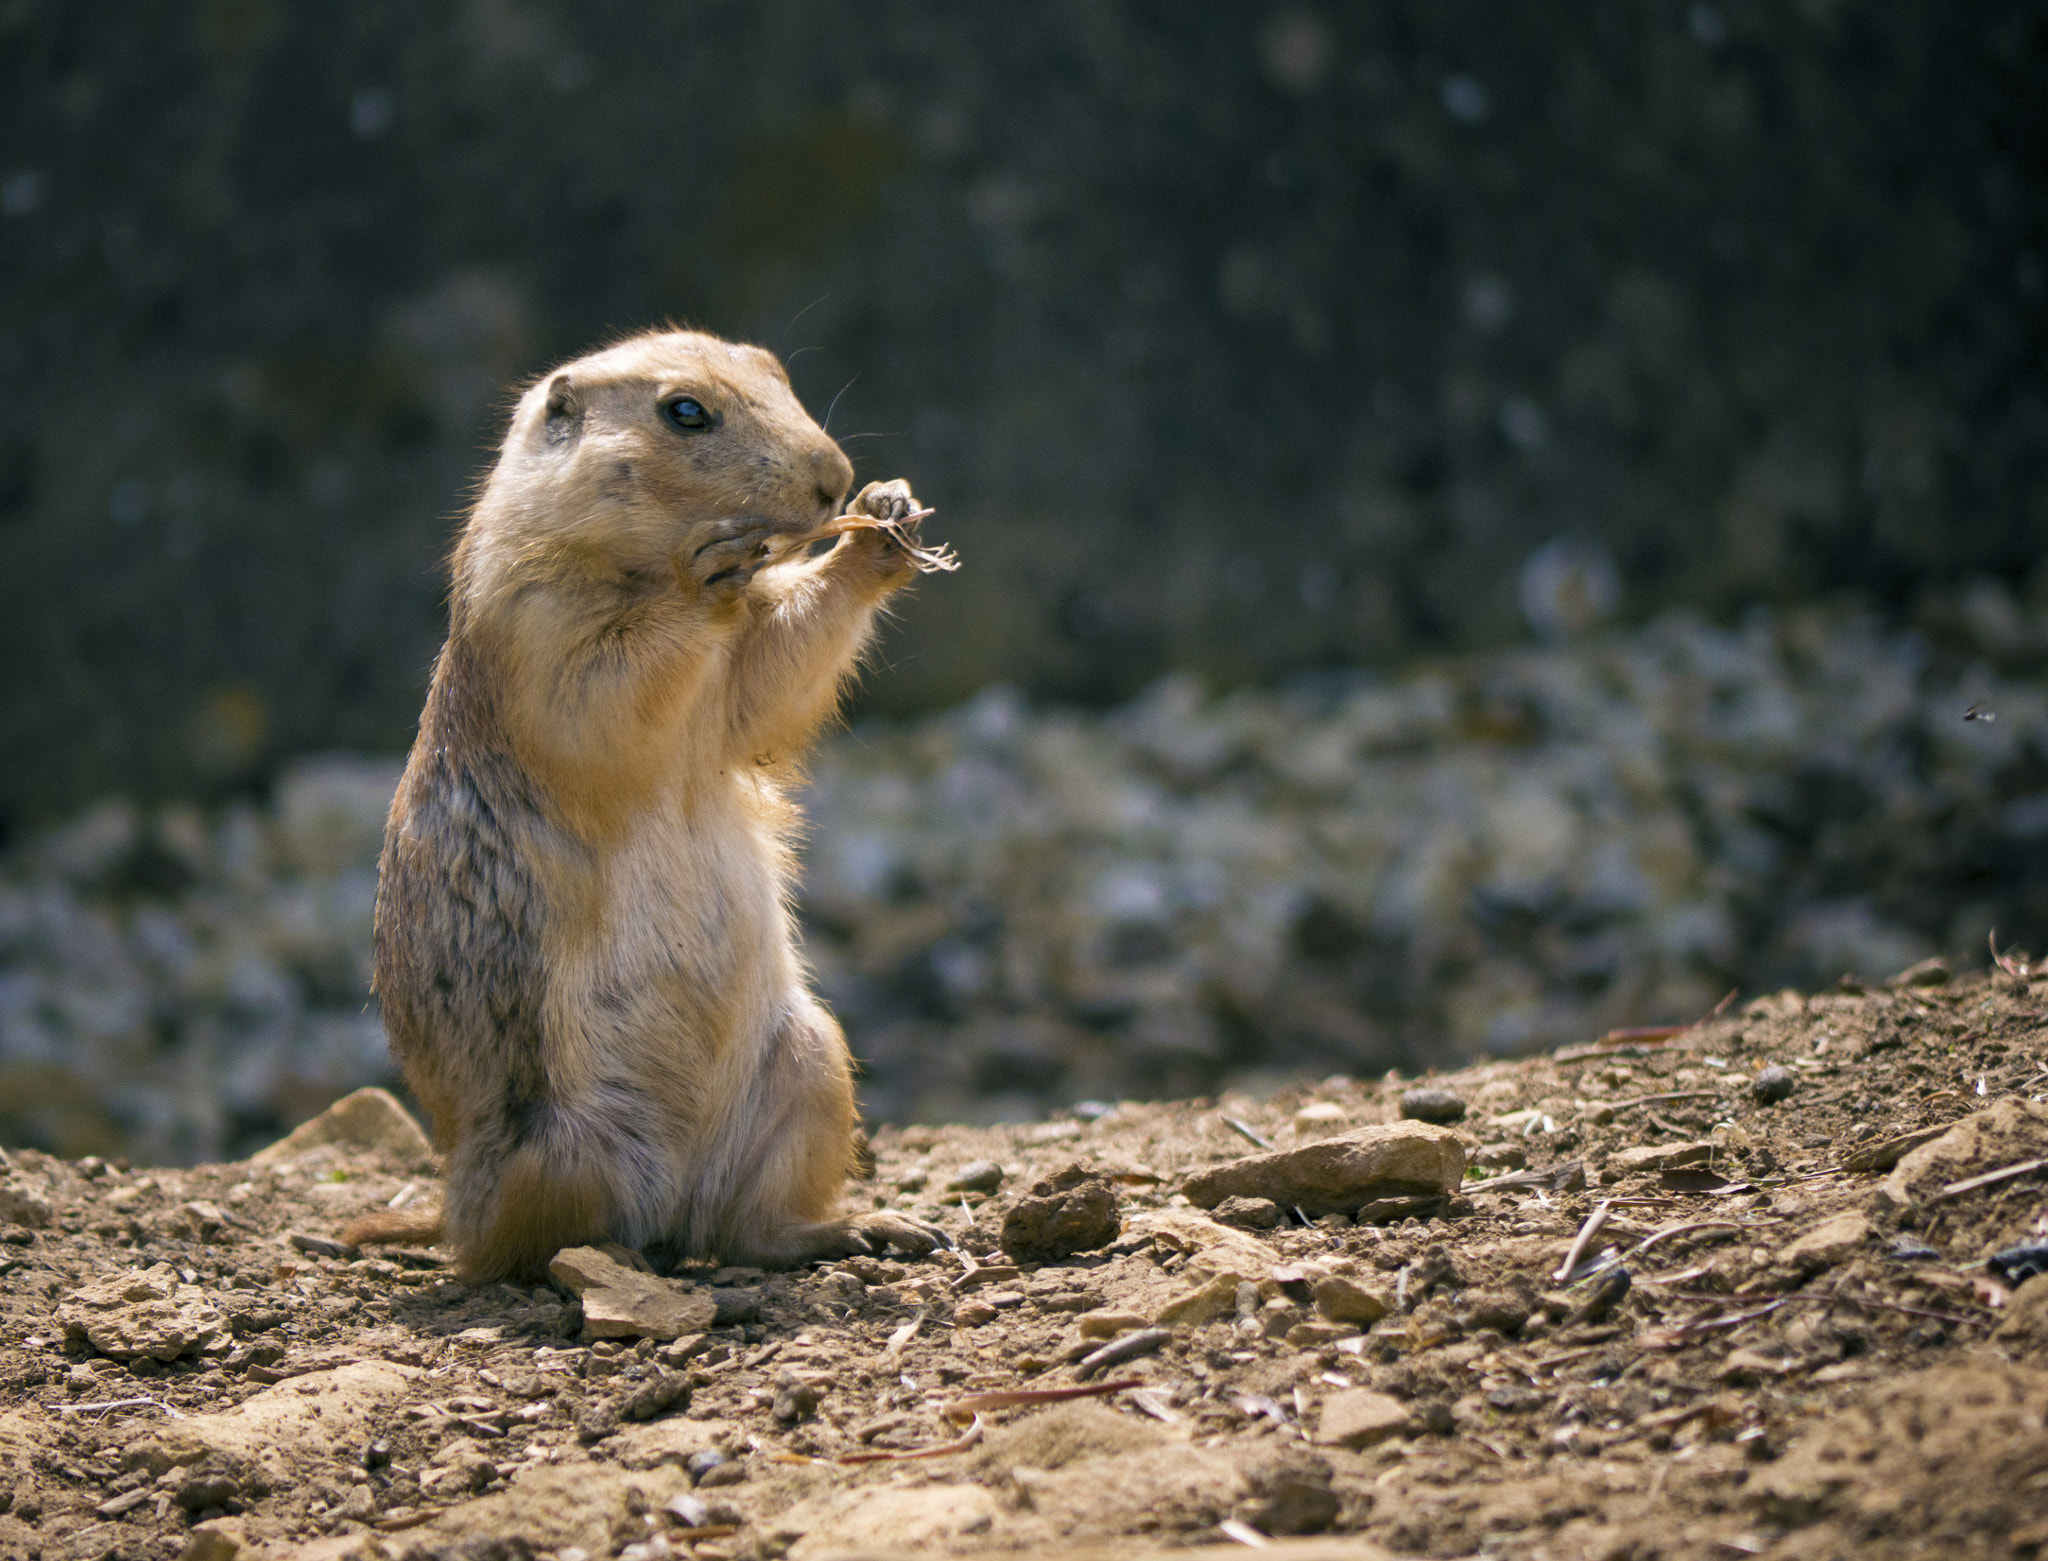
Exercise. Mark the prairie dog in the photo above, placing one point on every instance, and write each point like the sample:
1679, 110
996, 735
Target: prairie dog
584, 948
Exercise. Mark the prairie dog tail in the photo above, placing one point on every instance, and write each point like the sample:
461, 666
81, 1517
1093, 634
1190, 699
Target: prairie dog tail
389, 1226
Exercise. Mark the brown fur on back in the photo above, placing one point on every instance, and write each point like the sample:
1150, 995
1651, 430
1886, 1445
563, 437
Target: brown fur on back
583, 943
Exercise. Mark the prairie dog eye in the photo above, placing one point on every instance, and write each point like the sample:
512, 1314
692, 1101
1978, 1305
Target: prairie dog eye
686, 414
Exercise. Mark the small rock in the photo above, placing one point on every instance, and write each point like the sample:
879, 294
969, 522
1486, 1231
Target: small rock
22, 1204
973, 1313
1249, 1213
2026, 1315
1313, 1335
1929, 972
1658, 1157
1773, 1084
732, 1471
1107, 1325
1296, 1500
1501, 1310
2004, 1133
1336, 1175
147, 1315
369, 1119
1827, 1244
1359, 1418
1205, 1304
1073, 1210
1341, 1300
977, 1176
796, 1398
206, 1488
1432, 1105
623, 1303
217, 1539
656, 1396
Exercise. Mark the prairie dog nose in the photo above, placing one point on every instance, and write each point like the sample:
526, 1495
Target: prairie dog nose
833, 473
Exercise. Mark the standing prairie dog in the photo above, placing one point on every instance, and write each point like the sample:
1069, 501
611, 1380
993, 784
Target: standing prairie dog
584, 948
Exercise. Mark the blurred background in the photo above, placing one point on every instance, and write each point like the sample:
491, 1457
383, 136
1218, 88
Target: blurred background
1481, 523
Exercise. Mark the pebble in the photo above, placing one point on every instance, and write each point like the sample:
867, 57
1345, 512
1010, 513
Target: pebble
1441, 1106
1773, 1084
1342, 1300
977, 1176
1249, 1213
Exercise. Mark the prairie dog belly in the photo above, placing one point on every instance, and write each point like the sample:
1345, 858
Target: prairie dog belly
663, 998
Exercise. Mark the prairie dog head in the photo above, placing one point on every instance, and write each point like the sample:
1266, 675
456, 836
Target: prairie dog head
628, 460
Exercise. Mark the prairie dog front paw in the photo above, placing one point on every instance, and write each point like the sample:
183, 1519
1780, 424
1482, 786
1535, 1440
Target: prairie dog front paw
891, 500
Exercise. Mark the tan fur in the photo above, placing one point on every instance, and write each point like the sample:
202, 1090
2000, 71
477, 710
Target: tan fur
584, 946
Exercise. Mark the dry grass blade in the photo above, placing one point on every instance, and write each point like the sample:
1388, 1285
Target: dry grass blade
929, 560
1008, 1398
102, 1405
958, 1445
2018, 966
1583, 1240
900, 1339
1649, 1037
1992, 1178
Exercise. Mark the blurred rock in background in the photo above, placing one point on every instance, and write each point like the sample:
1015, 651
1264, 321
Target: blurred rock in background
1227, 341
1015, 906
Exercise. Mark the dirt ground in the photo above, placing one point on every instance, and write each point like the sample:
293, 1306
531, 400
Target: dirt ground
1812, 1356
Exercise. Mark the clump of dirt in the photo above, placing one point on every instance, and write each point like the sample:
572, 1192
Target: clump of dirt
1678, 1305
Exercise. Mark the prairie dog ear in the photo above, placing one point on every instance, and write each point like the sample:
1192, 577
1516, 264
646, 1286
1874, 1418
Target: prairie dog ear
564, 419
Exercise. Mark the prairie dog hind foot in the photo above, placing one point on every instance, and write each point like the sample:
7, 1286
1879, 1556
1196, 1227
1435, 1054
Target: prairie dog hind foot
824, 1241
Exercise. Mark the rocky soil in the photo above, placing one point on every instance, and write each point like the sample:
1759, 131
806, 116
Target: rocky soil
1749, 1288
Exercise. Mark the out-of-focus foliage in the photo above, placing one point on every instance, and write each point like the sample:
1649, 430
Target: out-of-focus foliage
1233, 338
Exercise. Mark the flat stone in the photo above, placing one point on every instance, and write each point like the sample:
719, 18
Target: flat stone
623, 1303
149, 1314
368, 1119
1211, 1248
1658, 1157
2001, 1134
1107, 1325
1342, 1300
1204, 1304
1336, 1175
1827, 1244
1358, 1417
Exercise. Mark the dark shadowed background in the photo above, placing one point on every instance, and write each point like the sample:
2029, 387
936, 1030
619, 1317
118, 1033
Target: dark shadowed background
1241, 339
1481, 521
